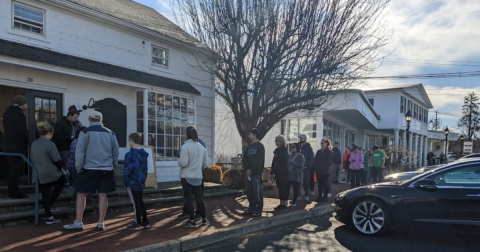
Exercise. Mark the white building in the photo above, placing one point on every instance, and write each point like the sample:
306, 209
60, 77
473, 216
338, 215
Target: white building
119, 57
361, 117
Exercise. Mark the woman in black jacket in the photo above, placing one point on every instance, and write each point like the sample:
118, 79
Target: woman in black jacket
280, 171
321, 164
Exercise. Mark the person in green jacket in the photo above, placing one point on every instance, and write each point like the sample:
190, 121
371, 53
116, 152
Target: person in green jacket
253, 164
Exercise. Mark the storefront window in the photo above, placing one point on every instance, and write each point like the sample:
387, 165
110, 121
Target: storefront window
167, 117
291, 128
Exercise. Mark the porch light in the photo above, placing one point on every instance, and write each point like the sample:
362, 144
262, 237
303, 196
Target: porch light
408, 116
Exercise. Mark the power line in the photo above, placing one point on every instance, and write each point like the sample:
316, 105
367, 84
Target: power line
426, 76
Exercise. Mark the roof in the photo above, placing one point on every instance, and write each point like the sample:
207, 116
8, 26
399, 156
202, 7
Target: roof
138, 14
404, 87
27, 52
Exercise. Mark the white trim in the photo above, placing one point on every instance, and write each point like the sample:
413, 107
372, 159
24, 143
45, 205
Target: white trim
167, 58
68, 71
32, 86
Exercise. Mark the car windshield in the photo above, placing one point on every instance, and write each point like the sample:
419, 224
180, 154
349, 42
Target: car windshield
428, 169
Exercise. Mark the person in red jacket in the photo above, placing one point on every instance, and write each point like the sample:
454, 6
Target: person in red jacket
322, 162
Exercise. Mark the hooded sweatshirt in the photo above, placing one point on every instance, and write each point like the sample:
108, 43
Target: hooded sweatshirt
135, 169
356, 160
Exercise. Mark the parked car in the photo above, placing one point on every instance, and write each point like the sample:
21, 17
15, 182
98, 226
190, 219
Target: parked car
447, 197
408, 175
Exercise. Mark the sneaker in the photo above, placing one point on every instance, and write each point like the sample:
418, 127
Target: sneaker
190, 224
75, 226
329, 195
312, 193
198, 217
182, 216
299, 197
205, 222
293, 204
278, 207
284, 208
99, 227
54, 209
307, 198
135, 227
51, 220
147, 226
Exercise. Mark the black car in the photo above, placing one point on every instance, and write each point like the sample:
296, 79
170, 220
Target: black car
447, 197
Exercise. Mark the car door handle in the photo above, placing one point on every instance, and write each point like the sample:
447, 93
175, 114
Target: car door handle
473, 195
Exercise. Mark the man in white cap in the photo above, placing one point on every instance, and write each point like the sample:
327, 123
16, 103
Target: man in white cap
15, 140
96, 157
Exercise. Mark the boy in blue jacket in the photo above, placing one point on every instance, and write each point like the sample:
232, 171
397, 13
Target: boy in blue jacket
135, 169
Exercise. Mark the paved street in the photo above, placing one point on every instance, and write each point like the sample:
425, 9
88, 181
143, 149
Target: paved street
327, 234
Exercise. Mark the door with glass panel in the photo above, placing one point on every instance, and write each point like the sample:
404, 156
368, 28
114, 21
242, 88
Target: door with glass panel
42, 107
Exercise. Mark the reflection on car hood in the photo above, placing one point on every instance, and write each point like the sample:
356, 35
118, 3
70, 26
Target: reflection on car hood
401, 175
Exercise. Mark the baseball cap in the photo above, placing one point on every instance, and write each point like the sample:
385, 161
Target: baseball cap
302, 136
95, 115
74, 108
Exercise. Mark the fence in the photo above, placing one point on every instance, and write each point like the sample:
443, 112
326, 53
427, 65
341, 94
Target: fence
35, 174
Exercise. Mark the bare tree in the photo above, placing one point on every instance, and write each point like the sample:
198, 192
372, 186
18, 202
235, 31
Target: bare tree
470, 120
435, 123
275, 57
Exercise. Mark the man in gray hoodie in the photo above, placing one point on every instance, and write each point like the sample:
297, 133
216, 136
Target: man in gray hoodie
96, 157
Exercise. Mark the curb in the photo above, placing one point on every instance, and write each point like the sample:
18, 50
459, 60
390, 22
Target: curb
193, 241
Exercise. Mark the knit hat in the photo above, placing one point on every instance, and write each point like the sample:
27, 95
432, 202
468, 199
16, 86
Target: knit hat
19, 100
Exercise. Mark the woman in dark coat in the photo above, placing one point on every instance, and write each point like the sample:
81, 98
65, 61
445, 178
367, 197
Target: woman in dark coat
280, 171
321, 164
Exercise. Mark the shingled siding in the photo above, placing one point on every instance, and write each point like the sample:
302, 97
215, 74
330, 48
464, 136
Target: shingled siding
22, 51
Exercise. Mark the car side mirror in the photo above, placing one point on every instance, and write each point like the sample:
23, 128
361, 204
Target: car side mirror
426, 185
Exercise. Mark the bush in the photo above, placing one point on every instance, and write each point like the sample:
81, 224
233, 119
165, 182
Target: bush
213, 174
234, 177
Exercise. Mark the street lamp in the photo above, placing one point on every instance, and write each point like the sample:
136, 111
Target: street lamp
462, 138
408, 118
446, 141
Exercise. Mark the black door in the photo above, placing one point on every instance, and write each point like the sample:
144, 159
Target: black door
454, 204
42, 107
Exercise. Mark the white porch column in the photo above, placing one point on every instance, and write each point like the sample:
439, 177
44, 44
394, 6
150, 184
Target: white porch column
425, 150
410, 150
395, 139
416, 151
404, 144
421, 153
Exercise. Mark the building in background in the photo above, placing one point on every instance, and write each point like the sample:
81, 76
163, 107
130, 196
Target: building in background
118, 57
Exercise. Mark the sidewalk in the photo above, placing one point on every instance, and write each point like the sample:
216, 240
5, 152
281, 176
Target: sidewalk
221, 213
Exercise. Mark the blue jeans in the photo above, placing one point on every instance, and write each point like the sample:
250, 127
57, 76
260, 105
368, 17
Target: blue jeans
64, 155
306, 182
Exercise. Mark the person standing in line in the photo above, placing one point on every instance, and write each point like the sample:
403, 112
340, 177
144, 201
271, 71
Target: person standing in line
308, 155
337, 162
430, 158
296, 164
184, 210
253, 164
73, 173
193, 158
378, 158
280, 172
135, 174
346, 164
47, 159
15, 140
96, 157
356, 162
366, 168
442, 157
322, 162
65, 131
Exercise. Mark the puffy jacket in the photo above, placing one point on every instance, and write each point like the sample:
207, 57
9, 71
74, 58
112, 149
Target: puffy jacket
135, 169
15, 126
307, 153
323, 161
356, 160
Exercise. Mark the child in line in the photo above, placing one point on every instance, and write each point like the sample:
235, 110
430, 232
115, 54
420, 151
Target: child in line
135, 169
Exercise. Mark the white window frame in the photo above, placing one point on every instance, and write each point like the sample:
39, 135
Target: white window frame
39, 26
167, 59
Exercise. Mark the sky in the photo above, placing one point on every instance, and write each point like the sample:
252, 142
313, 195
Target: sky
429, 36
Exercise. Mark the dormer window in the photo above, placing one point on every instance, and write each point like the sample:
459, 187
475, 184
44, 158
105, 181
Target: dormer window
159, 56
28, 19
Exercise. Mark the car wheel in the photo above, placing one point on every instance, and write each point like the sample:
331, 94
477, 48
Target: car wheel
370, 217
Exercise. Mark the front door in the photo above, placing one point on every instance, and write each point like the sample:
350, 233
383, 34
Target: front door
42, 107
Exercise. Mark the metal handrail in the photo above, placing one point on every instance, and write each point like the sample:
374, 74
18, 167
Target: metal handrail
35, 175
